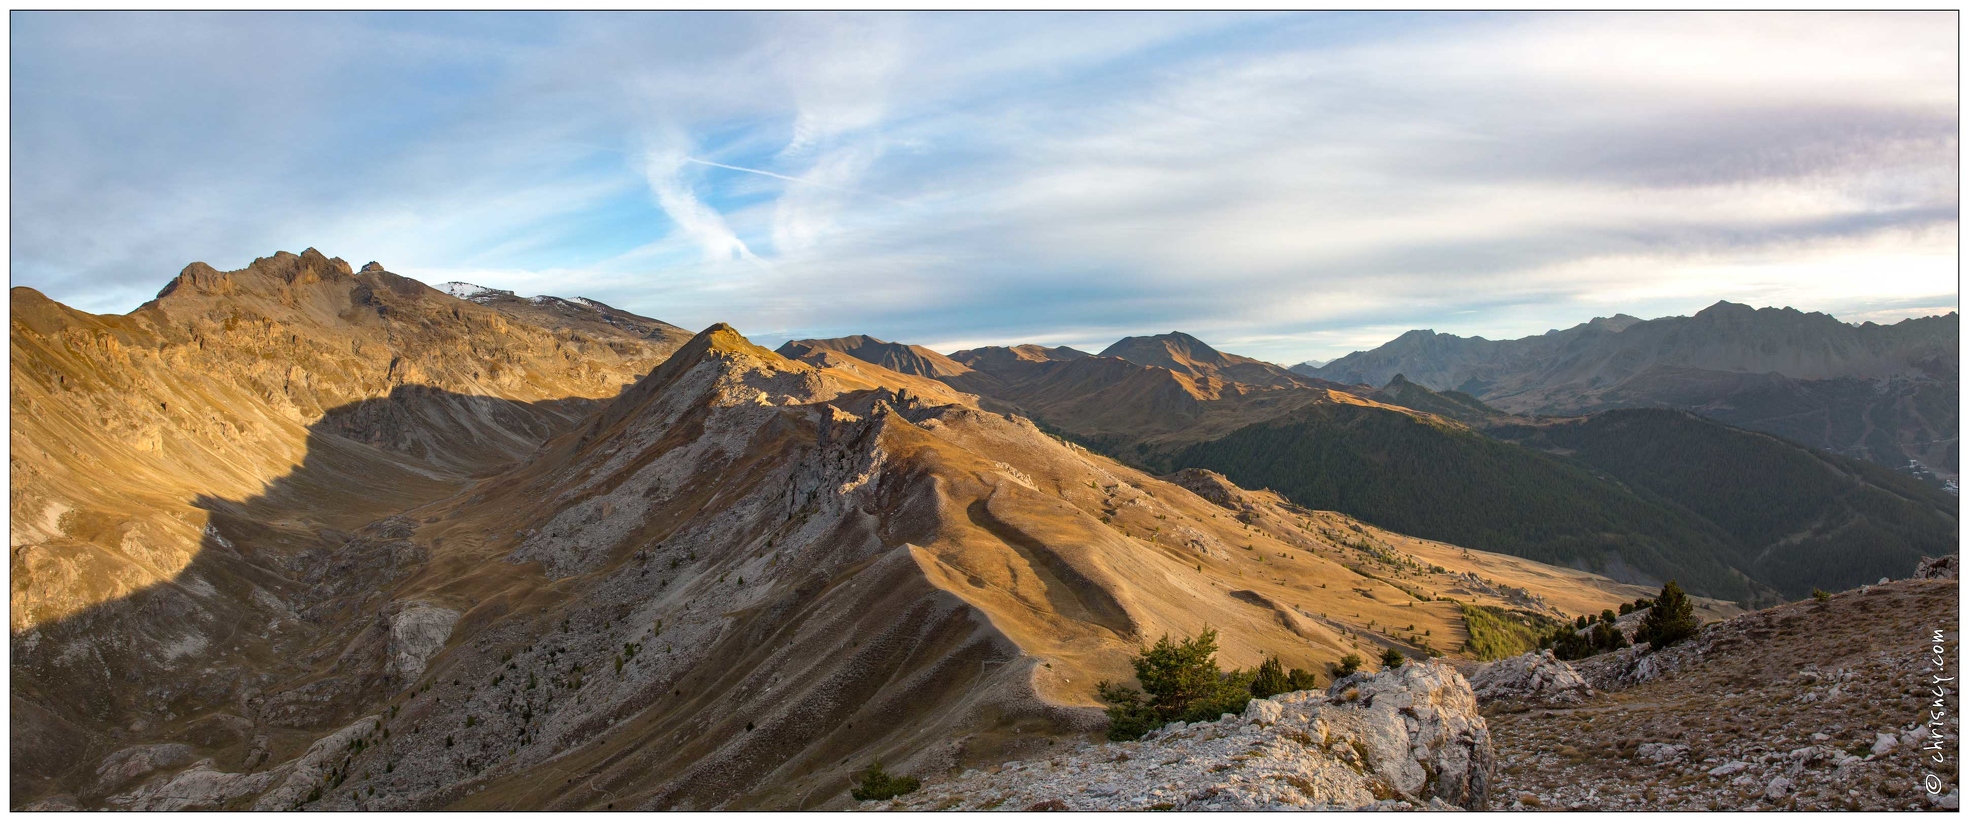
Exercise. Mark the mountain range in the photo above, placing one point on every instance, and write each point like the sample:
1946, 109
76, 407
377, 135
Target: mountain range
305, 536
1577, 492
308, 536
1884, 393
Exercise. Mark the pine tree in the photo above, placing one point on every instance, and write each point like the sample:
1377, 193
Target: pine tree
1177, 675
1300, 679
1672, 619
1181, 681
1271, 679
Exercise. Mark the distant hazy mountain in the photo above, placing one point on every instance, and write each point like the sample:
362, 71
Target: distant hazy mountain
1882, 393
1455, 405
1189, 356
897, 357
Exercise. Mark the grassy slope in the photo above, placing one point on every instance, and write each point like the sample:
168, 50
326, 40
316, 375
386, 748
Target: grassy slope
1496, 633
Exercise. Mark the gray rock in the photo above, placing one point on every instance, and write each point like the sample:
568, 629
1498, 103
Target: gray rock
120, 768
1660, 752
417, 632
1537, 677
1943, 567
1728, 768
1412, 733
200, 786
1262, 711
1884, 744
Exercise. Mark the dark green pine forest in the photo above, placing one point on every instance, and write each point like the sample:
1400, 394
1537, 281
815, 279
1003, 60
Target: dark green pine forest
1641, 495
1799, 518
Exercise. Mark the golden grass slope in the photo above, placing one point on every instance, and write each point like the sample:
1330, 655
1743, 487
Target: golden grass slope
121, 422
747, 575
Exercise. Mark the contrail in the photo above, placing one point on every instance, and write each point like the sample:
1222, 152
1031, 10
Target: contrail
794, 179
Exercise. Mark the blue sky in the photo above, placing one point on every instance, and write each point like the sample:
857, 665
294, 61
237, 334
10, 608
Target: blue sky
1286, 186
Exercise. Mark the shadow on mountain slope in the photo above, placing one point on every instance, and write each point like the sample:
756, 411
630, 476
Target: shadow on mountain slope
273, 576
731, 586
365, 584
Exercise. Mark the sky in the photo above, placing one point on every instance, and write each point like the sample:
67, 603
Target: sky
1287, 186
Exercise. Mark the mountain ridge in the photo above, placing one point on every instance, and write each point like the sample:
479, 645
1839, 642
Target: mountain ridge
1878, 392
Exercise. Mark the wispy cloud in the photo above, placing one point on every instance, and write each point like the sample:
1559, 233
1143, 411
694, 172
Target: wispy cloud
663, 168
791, 179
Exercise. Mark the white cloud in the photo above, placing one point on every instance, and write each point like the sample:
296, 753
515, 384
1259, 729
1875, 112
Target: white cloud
1282, 184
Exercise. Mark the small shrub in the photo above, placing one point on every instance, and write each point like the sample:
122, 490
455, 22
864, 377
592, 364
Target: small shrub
1606, 637
1821, 594
1392, 659
1348, 664
877, 784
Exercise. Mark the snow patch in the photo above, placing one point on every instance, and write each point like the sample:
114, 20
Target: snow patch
475, 293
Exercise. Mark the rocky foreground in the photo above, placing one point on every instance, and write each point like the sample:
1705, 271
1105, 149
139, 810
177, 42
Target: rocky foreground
1817, 705
1402, 739
1808, 706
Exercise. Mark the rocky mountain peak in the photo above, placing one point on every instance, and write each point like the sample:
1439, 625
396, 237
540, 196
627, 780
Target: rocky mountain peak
309, 266
1727, 308
200, 277
282, 269
998, 357
899, 357
1615, 323
1160, 349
